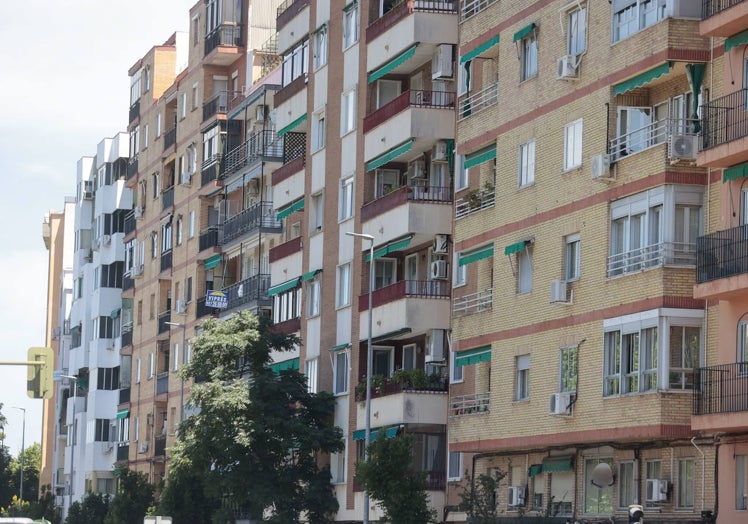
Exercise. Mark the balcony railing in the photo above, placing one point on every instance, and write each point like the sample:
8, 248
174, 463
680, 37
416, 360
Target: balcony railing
722, 254
210, 170
211, 237
226, 35
259, 145
124, 395
649, 136
170, 138
129, 222
403, 195
252, 289
166, 257
159, 446
202, 310
662, 254
721, 389
287, 11
474, 201
123, 451
134, 110
132, 167
162, 383
473, 303
474, 103
163, 320
127, 283
724, 119
470, 404
470, 8
127, 335
401, 10
258, 216
710, 8
409, 382
439, 289
410, 98
217, 104
167, 198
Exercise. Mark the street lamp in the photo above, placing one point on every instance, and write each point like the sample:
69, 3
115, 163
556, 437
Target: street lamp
74, 378
184, 354
23, 445
369, 365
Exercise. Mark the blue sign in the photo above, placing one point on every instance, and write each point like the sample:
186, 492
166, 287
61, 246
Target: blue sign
217, 299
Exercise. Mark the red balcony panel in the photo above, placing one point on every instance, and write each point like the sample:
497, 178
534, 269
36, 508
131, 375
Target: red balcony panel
288, 169
285, 249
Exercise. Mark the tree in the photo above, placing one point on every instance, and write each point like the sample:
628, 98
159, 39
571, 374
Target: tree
258, 437
185, 498
134, 497
92, 509
479, 496
45, 508
390, 478
32, 460
6, 478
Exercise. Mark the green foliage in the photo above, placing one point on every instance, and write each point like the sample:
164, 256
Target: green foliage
134, 497
479, 495
389, 477
258, 435
45, 508
184, 498
32, 460
91, 510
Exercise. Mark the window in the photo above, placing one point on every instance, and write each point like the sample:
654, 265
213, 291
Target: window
460, 272
344, 285
634, 131
98, 430
569, 366
158, 125
524, 270
135, 88
108, 379
454, 469
320, 46
384, 272
179, 231
383, 361
316, 213
346, 199
176, 357
183, 106
626, 484
741, 482
385, 181
313, 298
150, 366
348, 111
350, 25
166, 238
103, 327
195, 96
145, 136
461, 173
576, 42
572, 257
631, 16
318, 130
686, 469
337, 467
522, 364
156, 184
597, 501
211, 144
188, 290
295, 62
287, 305
684, 351
340, 372
134, 142
191, 225
573, 145
310, 370
457, 371
527, 163
528, 57
409, 357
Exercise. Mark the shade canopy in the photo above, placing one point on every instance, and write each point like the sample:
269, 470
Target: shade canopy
473, 356
392, 64
642, 79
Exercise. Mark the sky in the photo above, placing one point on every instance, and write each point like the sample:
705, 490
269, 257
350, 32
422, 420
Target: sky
64, 87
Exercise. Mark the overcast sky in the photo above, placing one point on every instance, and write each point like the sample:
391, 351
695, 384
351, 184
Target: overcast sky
63, 88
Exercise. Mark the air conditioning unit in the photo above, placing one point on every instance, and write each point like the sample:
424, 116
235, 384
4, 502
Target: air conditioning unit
143, 447
138, 212
684, 147
253, 187
657, 490
88, 195
137, 270
181, 306
559, 403
434, 346
439, 270
566, 68
417, 170
439, 153
185, 178
441, 244
260, 113
601, 167
515, 496
441, 63
560, 292
106, 240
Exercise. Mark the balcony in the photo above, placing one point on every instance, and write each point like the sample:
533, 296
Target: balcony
287, 11
655, 134
132, 167
473, 303
127, 335
264, 145
470, 8
407, 209
209, 238
128, 283
394, 398
170, 138
474, 201
392, 17
123, 451
166, 258
163, 320
226, 40
724, 130
202, 310
720, 400
210, 170
159, 447
259, 217
475, 103
722, 255
134, 111
162, 383
252, 290
286, 249
647, 257
129, 222
474, 403
216, 105
167, 198
723, 17
290, 326
412, 305
408, 99
124, 395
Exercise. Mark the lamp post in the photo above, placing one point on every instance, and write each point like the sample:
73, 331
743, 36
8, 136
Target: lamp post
184, 354
23, 445
74, 378
367, 431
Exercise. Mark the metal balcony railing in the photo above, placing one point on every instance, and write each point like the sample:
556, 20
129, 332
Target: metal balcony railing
710, 8
258, 216
438, 289
217, 104
470, 404
132, 167
473, 303
127, 283
162, 383
224, 35
124, 395
662, 254
167, 198
722, 254
210, 170
163, 319
471, 8
202, 310
159, 446
129, 222
166, 258
123, 451
474, 103
260, 145
252, 289
134, 110
211, 237
473, 202
287, 11
170, 138
400, 10
721, 389
724, 119
650, 135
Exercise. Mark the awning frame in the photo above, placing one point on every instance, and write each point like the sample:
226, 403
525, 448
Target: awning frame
389, 155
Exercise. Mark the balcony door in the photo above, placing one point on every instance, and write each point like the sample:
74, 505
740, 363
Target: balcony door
387, 91
634, 129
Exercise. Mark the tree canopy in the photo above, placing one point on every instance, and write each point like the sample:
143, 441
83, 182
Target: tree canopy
257, 435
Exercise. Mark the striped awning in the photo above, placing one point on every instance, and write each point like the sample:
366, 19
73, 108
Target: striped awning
473, 356
736, 40
485, 46
475, 255
213, 261
391, 432
392, 64
480, 156
393, 246
285, 286
310, 275
735, 172
519, 35
123, 413
286, 364
642, 79
293, 125
293, 208
390, 155
516, 247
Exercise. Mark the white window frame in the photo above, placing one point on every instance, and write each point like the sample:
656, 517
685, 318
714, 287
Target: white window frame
151, 366
310, 370
321, 43
313, 297
350, 24
183, 106
525, 270
191, 225
345, 211
576, 27
457, 373
462, 175
529, 56
686, 493
385, 272
343, 296
408, 360
176, 356
573, 145
627, 493
741, 482
158, 124
340, 359
319, 130
522, 365
348, 111
572, 257
568, 371
629, 17
316, 213
389, 354
526, 175
454, 466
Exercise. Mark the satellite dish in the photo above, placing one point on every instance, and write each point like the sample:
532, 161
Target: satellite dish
602, 476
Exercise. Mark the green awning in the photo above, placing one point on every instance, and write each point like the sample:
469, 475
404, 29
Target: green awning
392, 64
736, 40
390, 432
535, 469
473, 356
641, 79
285, 286
292, 125
390, 155
123, 413
557, 464
515, 248
213, 261
341, 347
483, 155
114, 313
735, 172
475, 255
396, 245
310, 275
286, 364
293, 208
485, 46
519, 35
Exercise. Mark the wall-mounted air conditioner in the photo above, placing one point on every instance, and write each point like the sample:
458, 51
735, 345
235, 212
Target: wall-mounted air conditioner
106, 240
515, 496
566, 68
143, 447
560, 292
435, 346
442, 62
684, 147
657, 490
441, 244
439, 270
560, 403
601, 167
181, 306
137, 270
417, 170
138, 212
439, 152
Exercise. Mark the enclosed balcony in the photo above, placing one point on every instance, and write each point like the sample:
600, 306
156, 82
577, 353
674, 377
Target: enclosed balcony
264, 146
720, 401
722, 263
223, 44
724, 133
162, 383
723, 17
167, 198
163, 322
258, 218
159, 448
134, 111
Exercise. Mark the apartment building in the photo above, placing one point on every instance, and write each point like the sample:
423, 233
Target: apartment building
578, 204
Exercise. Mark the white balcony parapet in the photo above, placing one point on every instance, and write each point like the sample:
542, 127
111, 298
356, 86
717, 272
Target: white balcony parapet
648, 136
474, 103
647, 257
470, 8
473, 303
473, 202
470, 404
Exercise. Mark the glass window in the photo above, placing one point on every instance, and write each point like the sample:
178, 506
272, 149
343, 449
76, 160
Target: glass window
313, 298
340, 372
318, 130
350, 25
522, 364
527, 163
686, 469
454, 470
348, 112
573, 145
344, 285
684, 351
569, 369
626, 484
524, 270
572, 257
597, 501
310, 370
317, 213
461, 174
577, 31
346, 199
384, 272
320, 47
383, 361
385, 181
295, 62
529, 57
741, 482
457, 371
